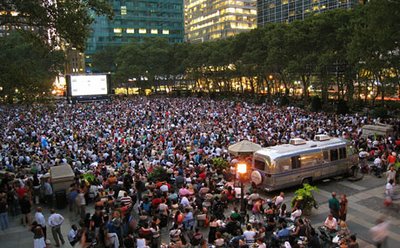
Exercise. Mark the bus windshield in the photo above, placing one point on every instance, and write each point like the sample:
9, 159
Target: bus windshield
262, 163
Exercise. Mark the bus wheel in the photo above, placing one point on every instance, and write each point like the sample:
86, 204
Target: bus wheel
307, 180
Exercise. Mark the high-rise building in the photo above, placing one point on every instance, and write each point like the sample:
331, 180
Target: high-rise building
290, 10
215, 19
133, 21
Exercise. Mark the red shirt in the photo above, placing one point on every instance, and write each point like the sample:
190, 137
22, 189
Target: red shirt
391, 159
156, 201
203, 175
21, 192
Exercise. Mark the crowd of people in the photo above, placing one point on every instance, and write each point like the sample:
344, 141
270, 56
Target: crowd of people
150, 161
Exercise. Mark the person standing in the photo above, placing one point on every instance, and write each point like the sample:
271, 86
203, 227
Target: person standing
391, 174
55, 221
25, 205
334, 205
379, 233
41, 221
3, 213
38, 238
81, 204
48, 193
389, 193
343, 207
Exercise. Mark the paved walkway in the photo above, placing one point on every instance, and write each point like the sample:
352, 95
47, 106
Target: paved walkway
365, 206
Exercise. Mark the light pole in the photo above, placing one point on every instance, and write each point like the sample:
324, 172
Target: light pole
242, 170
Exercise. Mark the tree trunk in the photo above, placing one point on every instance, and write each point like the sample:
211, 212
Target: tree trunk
304, 80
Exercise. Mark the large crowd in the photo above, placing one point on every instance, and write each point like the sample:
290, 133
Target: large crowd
123, 143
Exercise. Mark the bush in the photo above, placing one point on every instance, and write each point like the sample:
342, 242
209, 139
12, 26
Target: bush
219, 164
379, 112
342, 107
158, 174
284, 101
316, 104
89, 178
304, 197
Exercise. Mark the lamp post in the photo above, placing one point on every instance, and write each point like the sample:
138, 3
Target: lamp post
242, 170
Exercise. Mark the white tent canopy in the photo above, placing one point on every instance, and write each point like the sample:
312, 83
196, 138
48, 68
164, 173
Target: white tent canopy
243, 147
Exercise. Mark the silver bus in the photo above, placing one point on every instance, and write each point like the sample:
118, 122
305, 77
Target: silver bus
302, 161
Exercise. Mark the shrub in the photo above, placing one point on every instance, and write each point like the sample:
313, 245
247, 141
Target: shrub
316, 104
89, 178
342, 107
158, 174
219, 164
285, 101
379, 112
304, 197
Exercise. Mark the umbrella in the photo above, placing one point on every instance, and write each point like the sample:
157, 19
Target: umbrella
243, 147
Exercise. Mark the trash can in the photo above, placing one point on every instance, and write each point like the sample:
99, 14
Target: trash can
61, 199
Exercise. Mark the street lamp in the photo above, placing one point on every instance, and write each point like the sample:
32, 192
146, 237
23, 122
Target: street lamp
242, 170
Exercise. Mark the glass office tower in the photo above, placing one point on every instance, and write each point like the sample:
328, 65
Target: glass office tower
290, 10
133, 21
214, 19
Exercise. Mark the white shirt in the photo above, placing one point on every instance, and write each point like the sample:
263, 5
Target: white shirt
39, 218
55, 220
72, 234
249, 235
331, 224
297, 213
389, 190
164, 188
278, 200
262, 245
379, 232
185, 202
378, 162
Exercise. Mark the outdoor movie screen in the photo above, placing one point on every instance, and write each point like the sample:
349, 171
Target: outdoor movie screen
88, 85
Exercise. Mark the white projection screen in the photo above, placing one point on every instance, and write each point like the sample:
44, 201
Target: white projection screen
88, 85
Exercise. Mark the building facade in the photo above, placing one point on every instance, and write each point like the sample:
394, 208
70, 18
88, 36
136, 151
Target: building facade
135, 20
215, 19
290, 10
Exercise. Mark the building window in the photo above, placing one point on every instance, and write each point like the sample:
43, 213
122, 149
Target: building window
123, 10
165, 31
130, 31
154, 31
142, 31
117, 30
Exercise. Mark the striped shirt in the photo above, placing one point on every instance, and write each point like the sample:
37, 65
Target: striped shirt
126, 200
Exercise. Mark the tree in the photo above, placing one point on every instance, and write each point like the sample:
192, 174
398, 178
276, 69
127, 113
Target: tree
67, 21
302, 45
105, 59
374, 47
278, 58
28, 66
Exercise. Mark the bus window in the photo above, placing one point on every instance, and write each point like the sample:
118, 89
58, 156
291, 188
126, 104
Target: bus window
334, 155
311, 159
296, 162
326, 155
342, 153
283, 164
260, 165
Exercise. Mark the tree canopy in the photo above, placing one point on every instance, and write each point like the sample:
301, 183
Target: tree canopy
67, 21
28, 66
355, 52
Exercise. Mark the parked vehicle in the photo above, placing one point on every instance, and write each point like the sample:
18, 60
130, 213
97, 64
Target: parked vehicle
302, 162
